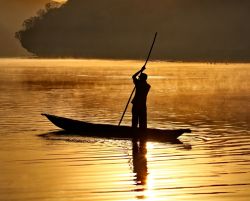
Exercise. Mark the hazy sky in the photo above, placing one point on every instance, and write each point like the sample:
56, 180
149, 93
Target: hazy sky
12, 15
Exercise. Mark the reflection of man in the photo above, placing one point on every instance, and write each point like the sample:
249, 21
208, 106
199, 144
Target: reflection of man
139, 109
140, 162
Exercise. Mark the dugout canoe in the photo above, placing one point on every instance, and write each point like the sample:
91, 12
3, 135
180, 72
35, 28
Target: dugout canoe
112, 131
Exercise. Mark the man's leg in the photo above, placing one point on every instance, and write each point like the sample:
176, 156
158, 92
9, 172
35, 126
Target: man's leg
143, 119
135, 117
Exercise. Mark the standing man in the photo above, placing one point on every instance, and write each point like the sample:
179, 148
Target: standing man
139, 109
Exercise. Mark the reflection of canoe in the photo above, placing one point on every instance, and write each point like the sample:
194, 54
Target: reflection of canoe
112, 131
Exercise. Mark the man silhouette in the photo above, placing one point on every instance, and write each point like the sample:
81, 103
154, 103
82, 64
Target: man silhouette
139, 109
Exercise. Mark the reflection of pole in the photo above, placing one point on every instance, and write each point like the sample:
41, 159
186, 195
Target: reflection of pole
134, 87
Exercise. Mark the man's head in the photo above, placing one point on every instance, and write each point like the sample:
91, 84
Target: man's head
143, 77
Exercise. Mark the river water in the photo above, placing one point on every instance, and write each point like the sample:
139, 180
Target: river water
212, 163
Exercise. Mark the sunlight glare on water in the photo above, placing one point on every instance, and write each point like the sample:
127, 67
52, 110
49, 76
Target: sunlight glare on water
211, 163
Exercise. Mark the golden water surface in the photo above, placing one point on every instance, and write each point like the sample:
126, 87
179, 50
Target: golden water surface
211, 163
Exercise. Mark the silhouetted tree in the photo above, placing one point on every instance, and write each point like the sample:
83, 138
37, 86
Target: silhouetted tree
30, 25
193, 30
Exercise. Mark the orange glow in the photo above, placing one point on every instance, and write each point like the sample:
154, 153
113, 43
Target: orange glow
61, 1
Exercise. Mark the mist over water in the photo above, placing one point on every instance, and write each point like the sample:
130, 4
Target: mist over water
213, 163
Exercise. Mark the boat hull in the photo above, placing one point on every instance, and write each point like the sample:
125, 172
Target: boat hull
112, 131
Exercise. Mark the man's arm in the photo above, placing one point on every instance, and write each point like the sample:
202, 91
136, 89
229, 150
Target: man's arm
137, 73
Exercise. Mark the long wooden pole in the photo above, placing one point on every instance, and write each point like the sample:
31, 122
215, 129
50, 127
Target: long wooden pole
134, 87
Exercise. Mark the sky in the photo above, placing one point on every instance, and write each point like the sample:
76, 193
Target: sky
12, 15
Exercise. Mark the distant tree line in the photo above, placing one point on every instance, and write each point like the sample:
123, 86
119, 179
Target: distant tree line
193, 30
30, 24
